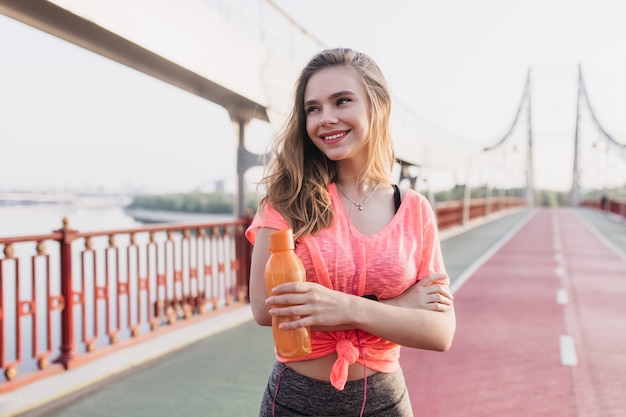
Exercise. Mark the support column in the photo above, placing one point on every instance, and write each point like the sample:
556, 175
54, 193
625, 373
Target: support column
467, 193
575, 192
245, 161
405, 173
530, 174
242, 157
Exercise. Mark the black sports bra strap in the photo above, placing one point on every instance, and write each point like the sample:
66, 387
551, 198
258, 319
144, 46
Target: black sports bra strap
396, 196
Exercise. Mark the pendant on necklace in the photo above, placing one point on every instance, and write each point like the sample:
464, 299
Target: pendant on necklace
360, 205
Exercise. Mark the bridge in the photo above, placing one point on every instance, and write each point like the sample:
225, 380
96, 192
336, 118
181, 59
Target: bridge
538, 294
161, 309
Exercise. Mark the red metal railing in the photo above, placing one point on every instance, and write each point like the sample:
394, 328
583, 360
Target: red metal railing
454, 213
98, 291
95, 292
617, 207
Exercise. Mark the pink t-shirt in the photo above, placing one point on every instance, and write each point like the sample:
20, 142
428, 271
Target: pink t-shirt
385, 264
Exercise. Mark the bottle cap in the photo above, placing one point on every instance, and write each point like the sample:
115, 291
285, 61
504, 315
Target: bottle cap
281, 240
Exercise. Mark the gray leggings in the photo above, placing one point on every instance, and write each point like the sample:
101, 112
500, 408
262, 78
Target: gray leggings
298, 395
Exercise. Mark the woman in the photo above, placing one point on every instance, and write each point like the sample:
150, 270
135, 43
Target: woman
375, 275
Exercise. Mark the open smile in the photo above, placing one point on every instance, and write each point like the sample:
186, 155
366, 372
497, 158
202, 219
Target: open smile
333, 136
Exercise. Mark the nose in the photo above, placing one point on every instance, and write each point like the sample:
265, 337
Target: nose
327, 117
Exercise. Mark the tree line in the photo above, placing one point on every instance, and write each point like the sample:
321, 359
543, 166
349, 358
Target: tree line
224, 203
217, 202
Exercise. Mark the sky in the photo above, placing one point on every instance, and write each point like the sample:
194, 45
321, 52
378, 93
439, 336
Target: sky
72, 120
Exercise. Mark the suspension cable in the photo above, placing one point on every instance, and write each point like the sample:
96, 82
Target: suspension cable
585, 95
525, 96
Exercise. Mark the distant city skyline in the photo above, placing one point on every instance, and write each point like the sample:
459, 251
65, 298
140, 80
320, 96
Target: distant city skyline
73, 120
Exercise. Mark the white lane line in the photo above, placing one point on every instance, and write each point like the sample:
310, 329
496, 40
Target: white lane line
559, 271
561, 296
566, 343
568, 351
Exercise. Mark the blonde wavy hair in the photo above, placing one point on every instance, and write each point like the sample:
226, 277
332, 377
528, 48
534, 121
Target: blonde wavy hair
298, 174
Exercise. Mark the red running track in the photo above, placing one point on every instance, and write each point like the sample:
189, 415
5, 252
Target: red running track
506, 359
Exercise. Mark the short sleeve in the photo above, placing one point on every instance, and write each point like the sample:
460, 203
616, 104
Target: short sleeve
268, 217
432, 258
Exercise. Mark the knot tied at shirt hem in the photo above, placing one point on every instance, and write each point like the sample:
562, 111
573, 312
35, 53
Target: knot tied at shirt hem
347, 355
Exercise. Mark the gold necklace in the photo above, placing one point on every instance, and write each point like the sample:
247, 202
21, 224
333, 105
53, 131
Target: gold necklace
361, 205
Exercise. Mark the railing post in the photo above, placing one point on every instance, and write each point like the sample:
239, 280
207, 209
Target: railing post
488, 201
68, 350
467, 204
244, 255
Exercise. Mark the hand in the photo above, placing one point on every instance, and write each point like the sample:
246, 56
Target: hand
430, 293
310, 304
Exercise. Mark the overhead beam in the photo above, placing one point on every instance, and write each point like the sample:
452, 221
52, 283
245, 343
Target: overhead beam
63, 24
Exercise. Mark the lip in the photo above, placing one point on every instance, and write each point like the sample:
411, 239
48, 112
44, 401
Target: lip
340, 135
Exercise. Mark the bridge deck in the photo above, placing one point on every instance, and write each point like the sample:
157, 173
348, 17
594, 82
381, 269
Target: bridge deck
541, 329
552, 282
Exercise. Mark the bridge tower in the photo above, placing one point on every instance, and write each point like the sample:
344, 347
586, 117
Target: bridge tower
575, 191
530, 175
613, 148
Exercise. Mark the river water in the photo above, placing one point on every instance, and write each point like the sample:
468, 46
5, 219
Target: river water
45, 218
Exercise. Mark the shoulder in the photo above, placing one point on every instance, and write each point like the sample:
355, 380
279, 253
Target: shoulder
412, 196
417, 204
266, 217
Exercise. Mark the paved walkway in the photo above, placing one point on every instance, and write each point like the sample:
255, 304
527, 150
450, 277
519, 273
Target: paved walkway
506, 359
541, 328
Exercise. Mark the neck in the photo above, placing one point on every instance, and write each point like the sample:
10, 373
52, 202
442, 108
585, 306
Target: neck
351, 171
355, 183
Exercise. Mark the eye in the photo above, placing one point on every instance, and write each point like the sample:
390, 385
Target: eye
310, 109
343, 100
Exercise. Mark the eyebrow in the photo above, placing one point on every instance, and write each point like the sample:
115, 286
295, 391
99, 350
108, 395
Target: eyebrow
332, 96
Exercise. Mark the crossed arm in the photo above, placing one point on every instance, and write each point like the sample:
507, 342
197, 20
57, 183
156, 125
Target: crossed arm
422, 317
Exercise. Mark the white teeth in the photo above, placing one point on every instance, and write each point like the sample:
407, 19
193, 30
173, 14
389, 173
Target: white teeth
333, 136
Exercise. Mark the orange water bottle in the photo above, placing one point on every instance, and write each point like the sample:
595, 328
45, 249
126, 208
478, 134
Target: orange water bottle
285, 266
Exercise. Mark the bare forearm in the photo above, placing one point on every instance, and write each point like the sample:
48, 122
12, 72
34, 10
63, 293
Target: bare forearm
324, 309
417, 328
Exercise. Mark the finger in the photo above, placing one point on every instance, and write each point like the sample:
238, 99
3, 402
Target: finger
280, 310
430, 279
295, 323
441, 299
291, 287
290, 298
434, 306
442, 289
440, 307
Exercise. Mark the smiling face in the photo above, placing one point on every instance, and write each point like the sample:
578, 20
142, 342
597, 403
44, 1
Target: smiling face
336, 106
